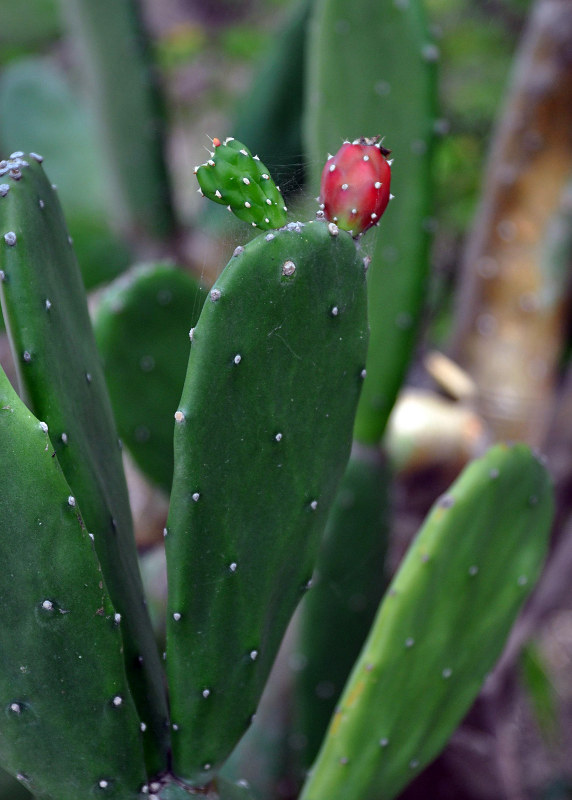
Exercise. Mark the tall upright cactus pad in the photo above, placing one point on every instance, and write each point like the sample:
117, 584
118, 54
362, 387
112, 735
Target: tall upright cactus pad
235, 178
61, 378
141, 328
63, 688
349, 583
440, 628
269, 117
369, 79
115, 55
274, 376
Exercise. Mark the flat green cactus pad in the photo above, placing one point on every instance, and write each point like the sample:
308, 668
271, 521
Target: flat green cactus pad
68, 724
62, 382
141, 327
440, 628
350, 581
274, 376
371, 72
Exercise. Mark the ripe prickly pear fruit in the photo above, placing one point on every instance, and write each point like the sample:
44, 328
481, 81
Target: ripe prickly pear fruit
354, 191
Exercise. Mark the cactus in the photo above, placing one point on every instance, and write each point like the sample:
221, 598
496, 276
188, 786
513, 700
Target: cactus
426, 657
128, 113
259, 386
235, 178
59, 371
256, 378
257, 439
269, 118
141, 327
337, 614
360, 89
62, 676
34, 98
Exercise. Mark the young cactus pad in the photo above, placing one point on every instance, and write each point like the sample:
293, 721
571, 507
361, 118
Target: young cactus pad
235, 178
68, 724
274, 377
61, 379
440, 628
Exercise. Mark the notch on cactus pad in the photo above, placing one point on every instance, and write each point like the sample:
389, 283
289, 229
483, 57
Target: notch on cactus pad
235, 178
354, 190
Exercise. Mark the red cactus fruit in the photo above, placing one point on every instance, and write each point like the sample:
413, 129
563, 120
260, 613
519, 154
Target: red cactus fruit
355, 186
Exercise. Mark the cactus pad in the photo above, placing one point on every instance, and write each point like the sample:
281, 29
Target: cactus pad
60, 375
440, 628
274, 376
235, 178
350, 580
358, 76
141, 327
63, 688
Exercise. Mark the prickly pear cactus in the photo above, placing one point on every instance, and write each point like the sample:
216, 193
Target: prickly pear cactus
440, 628
337, 614
235, 178
141, 328
274, 376
269, 117
370, 78
121, 84
61, 379
63, 685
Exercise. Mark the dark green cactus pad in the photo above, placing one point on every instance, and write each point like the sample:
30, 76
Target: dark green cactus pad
62, 381
68, 723
235, 178
440, 628
11, 788
348, 585
274, 376
358, 76
142, 329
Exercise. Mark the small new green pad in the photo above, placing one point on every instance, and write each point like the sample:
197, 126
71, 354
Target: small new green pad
274, 377
440, 628
235, 178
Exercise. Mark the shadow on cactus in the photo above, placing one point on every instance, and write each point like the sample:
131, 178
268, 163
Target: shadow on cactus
262, 435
